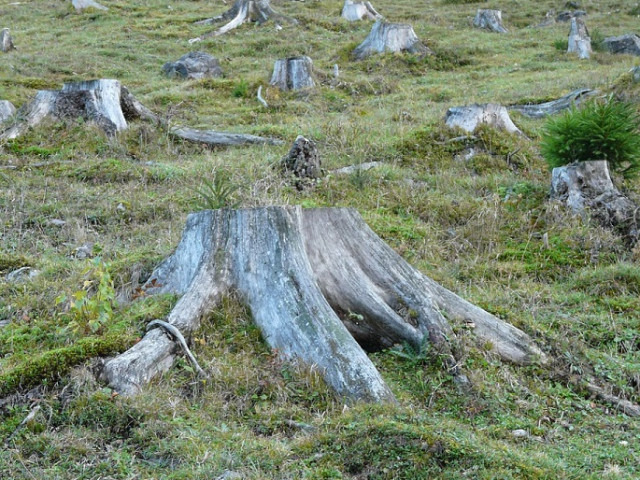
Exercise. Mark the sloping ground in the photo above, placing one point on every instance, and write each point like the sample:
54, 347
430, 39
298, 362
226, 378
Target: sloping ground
481, 226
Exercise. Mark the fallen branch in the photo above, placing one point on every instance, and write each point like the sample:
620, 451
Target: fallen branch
34, 411
177, 336
625, 406
261, 99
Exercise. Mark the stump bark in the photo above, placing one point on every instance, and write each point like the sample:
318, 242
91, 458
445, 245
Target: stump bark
193, 65
354, 11
6, 42
587, 187
293, 73
303, 162
7, 110
470, 116
541, 110
390, 37
258, 11
320, 285
579, 40
624, 44
489, 20
82, 4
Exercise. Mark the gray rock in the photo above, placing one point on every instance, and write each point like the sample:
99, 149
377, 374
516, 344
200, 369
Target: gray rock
82, 4
628, 44
229, 475
635, 72
22, 275
193, 65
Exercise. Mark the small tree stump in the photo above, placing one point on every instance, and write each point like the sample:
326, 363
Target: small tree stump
624, 44
489, 20
587, 187
550, 108
82, 4
193, 65
6, 42
354, 11
390, 37
7, 110
470, 116
303, 162
320, 285
242, 11
579, 40
293, 73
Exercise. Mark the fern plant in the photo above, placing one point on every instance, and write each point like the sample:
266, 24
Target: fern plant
599, 130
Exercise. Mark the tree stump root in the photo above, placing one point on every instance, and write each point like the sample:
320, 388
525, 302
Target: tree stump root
321, 286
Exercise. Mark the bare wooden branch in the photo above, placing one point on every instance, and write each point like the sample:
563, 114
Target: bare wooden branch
390, 37
579, 40
261, 98
178, 337
489, 20
320, 285
354, 11
216, 139
625, 406
550, 108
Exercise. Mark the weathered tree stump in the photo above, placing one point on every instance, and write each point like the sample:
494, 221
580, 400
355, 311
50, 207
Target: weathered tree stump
624, 44
6, 42
193, 65
568, 15
587, 187
82, 4
7, 110
354, 11
550, 108
242, 11
470, 116
293, 73
303, 162
579, 40
390, 37
489, 20
320, 284
220, 139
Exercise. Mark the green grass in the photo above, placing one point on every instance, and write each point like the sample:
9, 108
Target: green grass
483, 227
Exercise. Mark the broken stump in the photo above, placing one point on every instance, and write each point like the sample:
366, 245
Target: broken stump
293, 73
489, 20
354, 11
579, 40
6, 42
303, 162
624, 44
7, 110
193, 65
586, 187
390, 37
470, 116
321, 286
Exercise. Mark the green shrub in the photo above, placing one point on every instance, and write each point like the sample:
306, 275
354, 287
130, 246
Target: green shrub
599, 130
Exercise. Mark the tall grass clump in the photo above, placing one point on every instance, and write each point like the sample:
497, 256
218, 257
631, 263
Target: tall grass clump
599, 130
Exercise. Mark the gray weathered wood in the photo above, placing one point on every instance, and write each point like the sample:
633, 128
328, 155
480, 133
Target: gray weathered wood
489, 20
242, 11
468, 117
541, 110
193, 65
390, 37
354, 11
303, 162
82, 4
6, 42
319, 284
293, 73
587, 186
7, 110
579, 40
214, 139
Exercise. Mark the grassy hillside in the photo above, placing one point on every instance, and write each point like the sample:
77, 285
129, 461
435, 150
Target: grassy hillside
476, 226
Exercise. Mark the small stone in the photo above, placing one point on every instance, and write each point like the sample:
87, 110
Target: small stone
84, 251
229, 475
623, 443
193, 65
520, 433
22, 275
56, 222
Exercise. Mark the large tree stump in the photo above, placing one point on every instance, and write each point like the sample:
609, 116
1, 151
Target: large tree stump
624, 44
293, 73
550, 108
489, 20
83, 4
242, 11
193, 65
470, 116
390, 37
354, 11
320, 284
7, 110
587, 187
6, 42
579, 40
